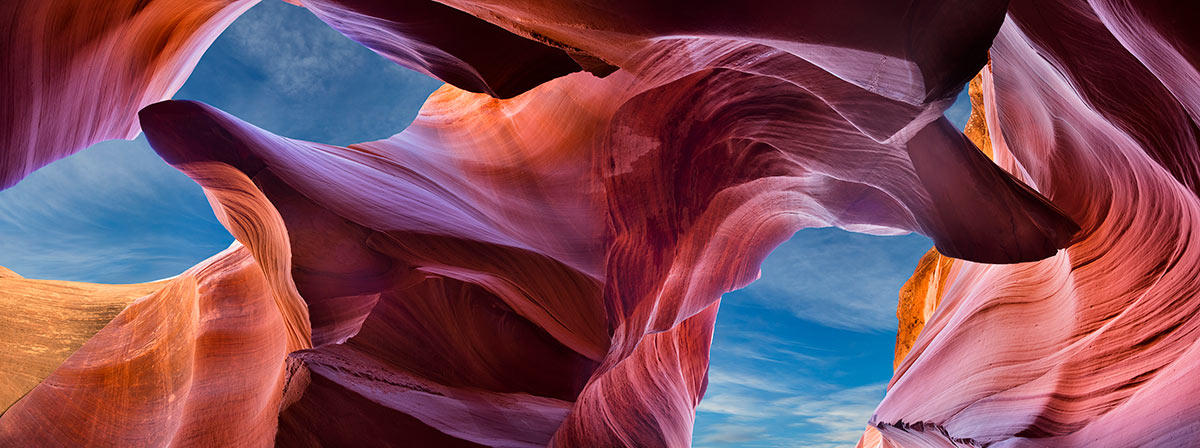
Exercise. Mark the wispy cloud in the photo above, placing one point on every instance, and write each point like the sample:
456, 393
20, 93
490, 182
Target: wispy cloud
842, 415
741, 405
296, 57
113, 213
733, 433
755, 403
280, 68
838, 279
820, 415
809, 376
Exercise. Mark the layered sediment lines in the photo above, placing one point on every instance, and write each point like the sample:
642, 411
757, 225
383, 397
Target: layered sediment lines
538, 259
199, 361
42, 322
1096, 346
75, 72
919, 298
498, 262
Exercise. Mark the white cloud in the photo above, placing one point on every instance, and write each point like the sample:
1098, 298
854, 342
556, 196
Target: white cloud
724, 378
298, 60
842, 414
734, 433
807, 386
114, 213
282, 69
737, 405
838, 279
835, 417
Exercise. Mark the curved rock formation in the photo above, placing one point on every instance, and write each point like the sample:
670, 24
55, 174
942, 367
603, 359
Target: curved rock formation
545, 268
450, 45
494, 276
922, 293
1096, 345
75, 72
895, 49
492, 224
207, 346
42, 322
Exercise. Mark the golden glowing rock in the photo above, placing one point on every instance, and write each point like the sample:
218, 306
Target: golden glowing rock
976, 128
920, 295
42, 322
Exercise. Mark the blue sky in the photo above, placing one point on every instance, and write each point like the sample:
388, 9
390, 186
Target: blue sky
800, 358
115, 213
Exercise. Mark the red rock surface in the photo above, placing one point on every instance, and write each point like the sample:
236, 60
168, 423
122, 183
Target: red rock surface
75, 72
42, 322
199, 362
513, 227
1097, 345
541, 263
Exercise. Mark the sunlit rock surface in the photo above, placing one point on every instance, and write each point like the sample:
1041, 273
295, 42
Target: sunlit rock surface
43, 321
1097, 345
540, 262
919, 298
75, 72
199, 361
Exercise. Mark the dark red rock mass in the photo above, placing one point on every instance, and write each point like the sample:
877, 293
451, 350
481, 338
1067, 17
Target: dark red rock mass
538, 259
448, 44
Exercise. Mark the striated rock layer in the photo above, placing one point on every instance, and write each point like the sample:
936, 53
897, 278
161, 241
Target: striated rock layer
540, 262
207, 346
543, 269
451, 45
75, 72
43, 321
922, 293
1096, 346
445, 261
919, 298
